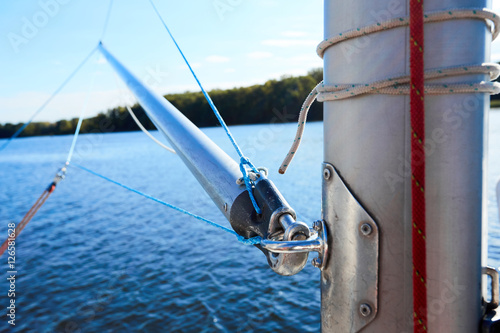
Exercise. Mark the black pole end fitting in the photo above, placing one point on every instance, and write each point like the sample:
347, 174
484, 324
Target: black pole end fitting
245, 220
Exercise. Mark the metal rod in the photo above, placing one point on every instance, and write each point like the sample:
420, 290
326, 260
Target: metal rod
212, 167
310, 245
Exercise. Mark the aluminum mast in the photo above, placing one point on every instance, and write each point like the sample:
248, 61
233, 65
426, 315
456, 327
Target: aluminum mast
367, 140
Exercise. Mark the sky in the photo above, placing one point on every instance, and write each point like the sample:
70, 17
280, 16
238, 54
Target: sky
229, 43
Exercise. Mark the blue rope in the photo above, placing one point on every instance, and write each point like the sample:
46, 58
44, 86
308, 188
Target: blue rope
241, 239
106, 21
21, 129
40, 109
243, 160
248, 182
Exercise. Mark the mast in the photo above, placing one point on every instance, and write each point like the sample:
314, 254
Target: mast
367, 145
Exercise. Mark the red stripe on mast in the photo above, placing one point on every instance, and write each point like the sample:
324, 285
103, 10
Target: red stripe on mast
417, 114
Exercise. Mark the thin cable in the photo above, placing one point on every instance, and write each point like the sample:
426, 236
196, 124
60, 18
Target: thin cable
207, 96
54, 94
244, 161
33, 210
80, 121
241, 239
106, 21
52, 186
159, 143
138, 123
27, 218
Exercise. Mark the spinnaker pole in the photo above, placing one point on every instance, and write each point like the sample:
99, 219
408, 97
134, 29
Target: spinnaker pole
220, 176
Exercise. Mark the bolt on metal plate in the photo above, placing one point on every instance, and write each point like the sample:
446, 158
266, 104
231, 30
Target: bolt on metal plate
326, 173
365, 310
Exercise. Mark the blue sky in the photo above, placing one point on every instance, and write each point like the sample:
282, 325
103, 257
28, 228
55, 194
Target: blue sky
238, 43
229, 43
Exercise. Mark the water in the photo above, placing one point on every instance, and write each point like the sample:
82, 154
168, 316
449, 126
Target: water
98, 258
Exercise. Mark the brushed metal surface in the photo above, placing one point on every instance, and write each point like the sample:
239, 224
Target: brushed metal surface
367, 139
350, 278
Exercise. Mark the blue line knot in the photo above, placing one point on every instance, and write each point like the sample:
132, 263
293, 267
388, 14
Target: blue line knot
248, 182
249, 241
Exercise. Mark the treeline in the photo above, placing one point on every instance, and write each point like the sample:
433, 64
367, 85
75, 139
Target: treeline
273, 101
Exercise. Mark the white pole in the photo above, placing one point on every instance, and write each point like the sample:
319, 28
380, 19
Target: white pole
212, 167
498, 198
367, 140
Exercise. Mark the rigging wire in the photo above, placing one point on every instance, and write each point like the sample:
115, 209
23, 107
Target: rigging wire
106, 21
241, 239
54, 94
80, 121
244, 161
31, 213
61, 174
65, 82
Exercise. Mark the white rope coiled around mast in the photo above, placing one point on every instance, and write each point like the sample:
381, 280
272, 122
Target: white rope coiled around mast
399, 85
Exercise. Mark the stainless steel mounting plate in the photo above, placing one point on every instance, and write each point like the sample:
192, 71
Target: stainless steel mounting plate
349, 282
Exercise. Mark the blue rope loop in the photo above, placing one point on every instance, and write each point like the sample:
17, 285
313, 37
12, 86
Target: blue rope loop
249, 241
249, 184
241, 239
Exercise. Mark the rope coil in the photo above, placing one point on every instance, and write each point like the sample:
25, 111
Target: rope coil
436, 16
399, 84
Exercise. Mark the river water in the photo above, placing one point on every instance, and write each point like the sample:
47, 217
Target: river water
98, 258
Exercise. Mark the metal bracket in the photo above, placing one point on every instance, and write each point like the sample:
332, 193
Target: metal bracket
349, 282
316, 242
276, 224
495, 297
491, 320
